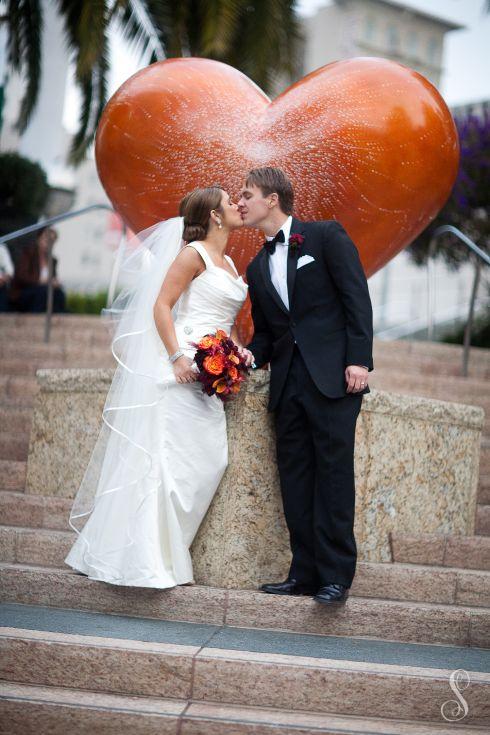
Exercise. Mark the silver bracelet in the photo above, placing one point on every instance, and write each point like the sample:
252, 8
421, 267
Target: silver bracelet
175, 356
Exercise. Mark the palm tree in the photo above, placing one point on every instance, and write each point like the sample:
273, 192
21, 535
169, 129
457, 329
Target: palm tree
259, 37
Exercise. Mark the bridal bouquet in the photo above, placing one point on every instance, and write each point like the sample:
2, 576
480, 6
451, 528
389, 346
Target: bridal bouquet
221, 369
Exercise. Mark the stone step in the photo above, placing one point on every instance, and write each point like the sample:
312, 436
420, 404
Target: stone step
485, 457
45, 710
13, 475
360, 616
27, 366
26, 350
237, 666
18, 419
35, 545
417, 352
39, 710
18, 390
427, 365
422, 349
483, 496
443, 387
417, 349
18, 341
404, 582
28, 344
67, 321
14, 445
445, 550
34, 511
482, 522
23, 343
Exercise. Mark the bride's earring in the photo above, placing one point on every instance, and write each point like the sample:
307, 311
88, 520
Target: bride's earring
219, 225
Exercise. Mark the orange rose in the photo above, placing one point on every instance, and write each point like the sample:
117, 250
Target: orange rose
207, 342
221, 334
233, 373
214, 364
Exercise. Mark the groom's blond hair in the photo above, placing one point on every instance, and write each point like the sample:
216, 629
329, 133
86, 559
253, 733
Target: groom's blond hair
271, 180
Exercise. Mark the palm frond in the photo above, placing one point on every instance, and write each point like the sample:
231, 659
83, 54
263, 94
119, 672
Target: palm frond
94, 98
25, 23
266, 55
86, 27
218, 26
85, 24
137, 23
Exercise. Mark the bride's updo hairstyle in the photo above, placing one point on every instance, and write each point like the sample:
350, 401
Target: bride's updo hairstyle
196, 208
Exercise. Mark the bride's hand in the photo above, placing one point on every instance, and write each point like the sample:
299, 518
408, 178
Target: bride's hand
184, 371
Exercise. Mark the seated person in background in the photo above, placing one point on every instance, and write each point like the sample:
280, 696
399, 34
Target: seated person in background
29, 289
6, 273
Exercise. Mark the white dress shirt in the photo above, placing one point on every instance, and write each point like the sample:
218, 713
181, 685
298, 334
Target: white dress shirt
278, 263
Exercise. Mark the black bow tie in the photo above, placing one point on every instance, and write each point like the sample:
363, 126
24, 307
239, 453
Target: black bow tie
270, 245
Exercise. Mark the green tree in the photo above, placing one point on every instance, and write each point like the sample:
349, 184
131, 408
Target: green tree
259, 37
24, 191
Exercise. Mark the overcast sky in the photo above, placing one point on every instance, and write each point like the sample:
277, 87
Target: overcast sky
466, 62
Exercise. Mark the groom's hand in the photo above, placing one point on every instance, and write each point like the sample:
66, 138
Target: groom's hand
246, 355
356, 377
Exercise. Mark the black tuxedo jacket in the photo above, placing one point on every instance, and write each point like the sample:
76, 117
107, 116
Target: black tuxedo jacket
330, 315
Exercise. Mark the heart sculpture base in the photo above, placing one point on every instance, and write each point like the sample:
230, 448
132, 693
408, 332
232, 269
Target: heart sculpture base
366, 141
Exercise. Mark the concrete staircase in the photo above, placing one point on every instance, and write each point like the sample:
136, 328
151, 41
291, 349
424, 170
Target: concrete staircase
80, 655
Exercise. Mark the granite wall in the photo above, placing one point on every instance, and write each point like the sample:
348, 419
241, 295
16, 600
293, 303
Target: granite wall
416, 467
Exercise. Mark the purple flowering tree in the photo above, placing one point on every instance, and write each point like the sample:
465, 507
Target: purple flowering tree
468, 206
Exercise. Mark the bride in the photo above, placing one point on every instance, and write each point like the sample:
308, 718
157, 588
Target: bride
162, 449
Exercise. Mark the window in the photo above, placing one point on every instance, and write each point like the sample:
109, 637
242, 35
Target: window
392, 37
369, 28
412, 43
432, 50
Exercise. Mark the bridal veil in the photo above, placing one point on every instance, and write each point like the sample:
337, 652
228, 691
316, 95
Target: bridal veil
124, 457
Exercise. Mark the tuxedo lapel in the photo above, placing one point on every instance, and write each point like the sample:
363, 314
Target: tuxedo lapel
266, 274
297, 228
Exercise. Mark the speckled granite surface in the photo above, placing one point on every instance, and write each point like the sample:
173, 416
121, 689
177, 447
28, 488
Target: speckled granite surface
416, 464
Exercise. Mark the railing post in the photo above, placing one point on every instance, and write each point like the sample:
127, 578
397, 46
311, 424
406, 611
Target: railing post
49, 299
469, 321
116, 267
430, 289
481, 256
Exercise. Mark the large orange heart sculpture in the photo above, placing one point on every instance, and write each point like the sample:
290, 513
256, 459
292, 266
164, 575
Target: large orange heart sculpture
367, 141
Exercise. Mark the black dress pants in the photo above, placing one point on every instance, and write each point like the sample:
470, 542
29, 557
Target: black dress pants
315, 457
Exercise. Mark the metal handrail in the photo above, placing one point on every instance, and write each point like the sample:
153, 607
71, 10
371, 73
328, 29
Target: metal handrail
53, 220
481, 256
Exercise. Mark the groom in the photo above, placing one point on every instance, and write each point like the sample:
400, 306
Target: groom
313, 322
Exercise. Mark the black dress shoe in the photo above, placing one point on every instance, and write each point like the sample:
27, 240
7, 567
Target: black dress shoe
332, 594
289, 587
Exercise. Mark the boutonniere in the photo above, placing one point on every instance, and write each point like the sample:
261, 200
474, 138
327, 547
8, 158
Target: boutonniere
295, 242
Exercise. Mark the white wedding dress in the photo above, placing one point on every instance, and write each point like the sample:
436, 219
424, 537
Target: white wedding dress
141, 535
